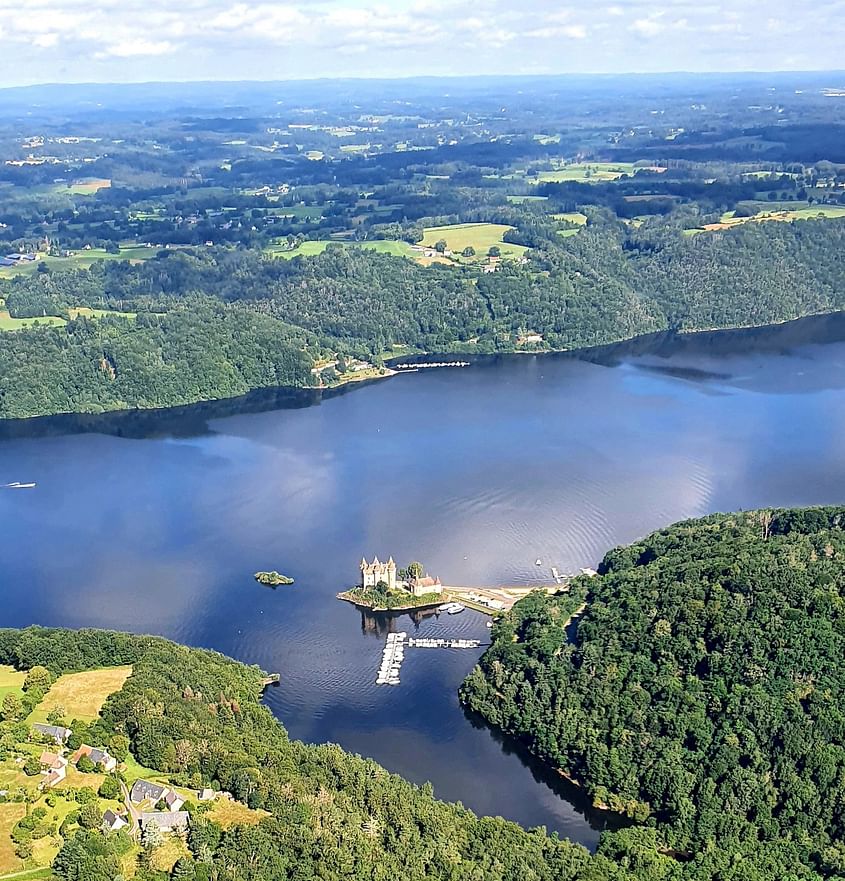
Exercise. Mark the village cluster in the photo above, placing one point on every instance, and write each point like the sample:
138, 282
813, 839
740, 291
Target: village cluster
146, 804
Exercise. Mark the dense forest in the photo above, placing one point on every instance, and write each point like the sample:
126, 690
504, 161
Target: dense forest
196, 716
701, 693
217, 322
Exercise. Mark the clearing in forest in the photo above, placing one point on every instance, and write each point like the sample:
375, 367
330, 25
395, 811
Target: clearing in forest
82, 695
480, 236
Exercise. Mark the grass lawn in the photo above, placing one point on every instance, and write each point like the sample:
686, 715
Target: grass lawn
480, 236
29, 875
133, 770
11, 680
81, 694
232, 813
9, 815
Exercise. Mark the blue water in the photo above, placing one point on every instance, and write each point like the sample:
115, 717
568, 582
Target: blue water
155, 523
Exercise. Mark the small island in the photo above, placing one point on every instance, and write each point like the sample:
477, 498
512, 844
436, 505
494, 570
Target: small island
384, 588
272, 579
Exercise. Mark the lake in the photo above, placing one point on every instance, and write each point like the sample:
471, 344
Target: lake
156, 522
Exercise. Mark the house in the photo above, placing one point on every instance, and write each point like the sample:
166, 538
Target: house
167, 821
146, 790
5, 261
173, 800
52, 761
113, 821
206, 794
54, 769
98, 757
55, 732
421, 586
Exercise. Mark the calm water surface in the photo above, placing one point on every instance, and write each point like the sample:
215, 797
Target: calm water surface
155, 523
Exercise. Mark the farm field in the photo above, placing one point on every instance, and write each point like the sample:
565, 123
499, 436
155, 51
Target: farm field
480, 236
80, 260
312, 248
11, 681
572, 217
9, 323
81, 694
586, 172
85, 187
812, 212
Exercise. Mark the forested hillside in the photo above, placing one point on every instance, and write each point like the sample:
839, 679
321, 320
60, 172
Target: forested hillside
702, 693
217, 322
196, 716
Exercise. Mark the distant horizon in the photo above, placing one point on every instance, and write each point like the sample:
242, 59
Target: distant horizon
632, 74
98, 41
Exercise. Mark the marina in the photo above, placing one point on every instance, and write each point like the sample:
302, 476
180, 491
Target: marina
394, 652
391, 659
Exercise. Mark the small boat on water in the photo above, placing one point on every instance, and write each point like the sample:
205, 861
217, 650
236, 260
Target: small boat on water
455, 609
18, 485
538, 562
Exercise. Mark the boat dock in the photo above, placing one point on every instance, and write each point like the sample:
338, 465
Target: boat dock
394, 653
422, 643
391, 659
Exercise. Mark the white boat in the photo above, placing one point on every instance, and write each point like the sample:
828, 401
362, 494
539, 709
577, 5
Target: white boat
456, 609
538, 562
18, 485
444, 607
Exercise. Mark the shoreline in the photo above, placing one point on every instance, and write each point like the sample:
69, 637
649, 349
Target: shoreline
398, 610
393, 366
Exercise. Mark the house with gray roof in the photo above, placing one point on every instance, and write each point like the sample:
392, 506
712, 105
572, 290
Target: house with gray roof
146, 790
57, 733
167, 821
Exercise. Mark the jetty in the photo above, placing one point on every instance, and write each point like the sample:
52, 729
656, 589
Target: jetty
391, 659
428, 643
428, 365
394, 652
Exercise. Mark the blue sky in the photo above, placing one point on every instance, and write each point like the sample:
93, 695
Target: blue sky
138, 40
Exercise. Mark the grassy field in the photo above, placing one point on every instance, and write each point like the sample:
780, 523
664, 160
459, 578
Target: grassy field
85, 187
9, 815
80, 260
11, 680
232, 813
81, 694
9, 323
29, 875
728, 221
585, 172
312, 248
572, 217
480, 236
519, 200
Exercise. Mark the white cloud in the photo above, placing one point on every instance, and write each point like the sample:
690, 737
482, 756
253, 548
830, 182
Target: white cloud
113, 39
134, 48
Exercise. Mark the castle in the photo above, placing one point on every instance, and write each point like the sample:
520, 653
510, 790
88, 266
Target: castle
373, 573
376, 572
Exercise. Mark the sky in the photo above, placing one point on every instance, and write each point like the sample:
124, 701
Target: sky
143, 40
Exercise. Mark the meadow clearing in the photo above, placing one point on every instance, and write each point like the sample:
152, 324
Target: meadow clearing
79, 260
787, 215
481, 236
82, 695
